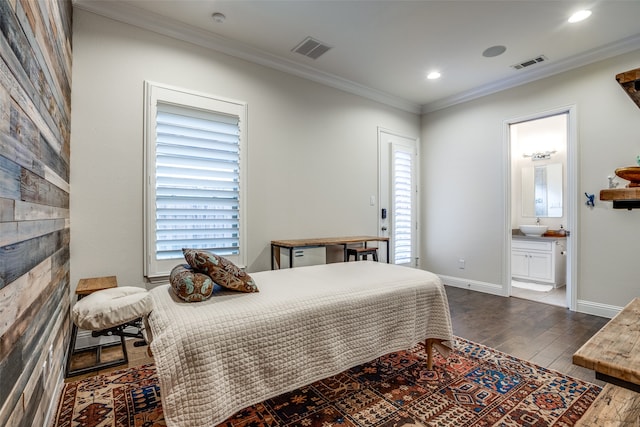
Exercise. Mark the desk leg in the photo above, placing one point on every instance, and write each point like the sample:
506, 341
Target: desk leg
387, 252
344, 249
290, 257
272, 259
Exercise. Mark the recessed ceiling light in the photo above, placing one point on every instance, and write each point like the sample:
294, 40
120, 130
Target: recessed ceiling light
219, 17
492, 51
433, 75
580, 15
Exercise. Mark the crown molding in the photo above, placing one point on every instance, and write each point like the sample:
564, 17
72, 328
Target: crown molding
127, 14
620, 47
131, 15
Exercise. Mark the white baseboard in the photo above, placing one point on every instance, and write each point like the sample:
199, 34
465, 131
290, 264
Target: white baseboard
597, 309
53, 404
473, 285
582, 306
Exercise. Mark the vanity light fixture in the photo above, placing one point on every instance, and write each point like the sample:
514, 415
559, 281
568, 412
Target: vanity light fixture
539, 155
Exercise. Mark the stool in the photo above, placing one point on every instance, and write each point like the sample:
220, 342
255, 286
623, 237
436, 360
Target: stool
106, 310
362, 253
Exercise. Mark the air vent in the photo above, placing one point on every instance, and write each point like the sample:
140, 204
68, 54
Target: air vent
311, 48
530, 62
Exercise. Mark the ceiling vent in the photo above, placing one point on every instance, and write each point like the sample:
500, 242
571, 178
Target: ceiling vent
311, 48
530, 62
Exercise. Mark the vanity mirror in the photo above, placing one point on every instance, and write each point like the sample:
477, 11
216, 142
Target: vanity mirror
542, 191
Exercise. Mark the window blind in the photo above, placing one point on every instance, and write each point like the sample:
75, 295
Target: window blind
402, 199
197, 192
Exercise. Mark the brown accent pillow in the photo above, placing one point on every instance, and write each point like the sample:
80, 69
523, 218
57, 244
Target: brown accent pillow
221, 270
190, 285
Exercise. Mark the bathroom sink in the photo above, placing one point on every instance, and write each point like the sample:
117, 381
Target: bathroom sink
533, 230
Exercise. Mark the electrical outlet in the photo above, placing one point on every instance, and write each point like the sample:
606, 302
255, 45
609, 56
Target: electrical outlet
461, 263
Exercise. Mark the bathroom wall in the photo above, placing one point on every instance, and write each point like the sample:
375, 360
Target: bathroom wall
548, 134
35, 110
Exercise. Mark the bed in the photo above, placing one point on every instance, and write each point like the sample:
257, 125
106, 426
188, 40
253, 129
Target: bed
233, 350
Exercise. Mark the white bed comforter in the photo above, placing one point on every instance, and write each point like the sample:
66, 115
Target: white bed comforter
219, 356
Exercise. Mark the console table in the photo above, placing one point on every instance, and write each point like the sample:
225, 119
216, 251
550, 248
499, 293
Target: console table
290, 245
614, 354
614, 351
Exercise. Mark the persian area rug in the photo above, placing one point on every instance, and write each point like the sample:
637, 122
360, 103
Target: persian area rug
475, 386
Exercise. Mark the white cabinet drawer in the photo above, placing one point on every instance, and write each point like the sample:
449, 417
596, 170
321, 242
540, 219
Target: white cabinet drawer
531, 245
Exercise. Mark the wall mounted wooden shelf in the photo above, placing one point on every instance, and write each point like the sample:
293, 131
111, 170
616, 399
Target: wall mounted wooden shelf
630, 82
622, 198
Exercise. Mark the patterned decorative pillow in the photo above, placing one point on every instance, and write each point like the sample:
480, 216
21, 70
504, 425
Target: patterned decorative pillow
221, 270
190, 285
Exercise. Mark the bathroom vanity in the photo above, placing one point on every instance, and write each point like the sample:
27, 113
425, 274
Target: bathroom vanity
539, 259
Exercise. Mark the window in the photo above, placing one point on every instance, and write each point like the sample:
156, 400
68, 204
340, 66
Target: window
403, 203
194, 168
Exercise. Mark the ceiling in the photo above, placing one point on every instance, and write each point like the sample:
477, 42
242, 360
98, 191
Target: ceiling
383, 49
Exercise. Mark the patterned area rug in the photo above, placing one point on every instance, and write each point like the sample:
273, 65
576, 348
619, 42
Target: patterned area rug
475, 386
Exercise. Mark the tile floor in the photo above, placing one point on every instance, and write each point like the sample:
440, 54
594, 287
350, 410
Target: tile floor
556, 296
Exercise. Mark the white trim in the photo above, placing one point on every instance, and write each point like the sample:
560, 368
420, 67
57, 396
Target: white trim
601, 53
157, 271
473, 285
597, 309
416, 144
52, 408
573, 174
572, 200
159, 24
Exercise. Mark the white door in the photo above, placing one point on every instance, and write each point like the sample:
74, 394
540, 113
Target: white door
398, 196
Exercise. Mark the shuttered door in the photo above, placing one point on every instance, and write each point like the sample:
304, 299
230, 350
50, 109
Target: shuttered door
403, 200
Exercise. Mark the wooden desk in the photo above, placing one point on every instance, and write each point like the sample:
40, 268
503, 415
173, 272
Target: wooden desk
276, 245
614, 351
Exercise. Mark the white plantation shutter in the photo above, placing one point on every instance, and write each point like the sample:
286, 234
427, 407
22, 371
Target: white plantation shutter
194, 178
197, 182
403, 200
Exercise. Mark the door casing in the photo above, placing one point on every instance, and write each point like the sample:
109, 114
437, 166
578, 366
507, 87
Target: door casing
572, 199
385, 137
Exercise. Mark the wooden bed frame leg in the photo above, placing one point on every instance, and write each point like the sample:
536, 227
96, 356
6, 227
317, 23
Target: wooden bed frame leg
428, 345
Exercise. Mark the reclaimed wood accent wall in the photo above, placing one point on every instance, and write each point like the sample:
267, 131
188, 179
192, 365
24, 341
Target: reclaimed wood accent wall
35, 112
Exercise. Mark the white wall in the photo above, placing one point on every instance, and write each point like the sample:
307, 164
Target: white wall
312, 149
463, 178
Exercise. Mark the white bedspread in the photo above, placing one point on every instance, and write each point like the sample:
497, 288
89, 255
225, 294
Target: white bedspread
219, 356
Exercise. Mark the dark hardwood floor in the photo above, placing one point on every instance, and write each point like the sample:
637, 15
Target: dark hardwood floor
544, 334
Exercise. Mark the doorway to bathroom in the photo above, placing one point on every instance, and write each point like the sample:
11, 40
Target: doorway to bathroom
542, 209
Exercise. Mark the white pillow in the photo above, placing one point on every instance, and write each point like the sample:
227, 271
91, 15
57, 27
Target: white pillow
111, 307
